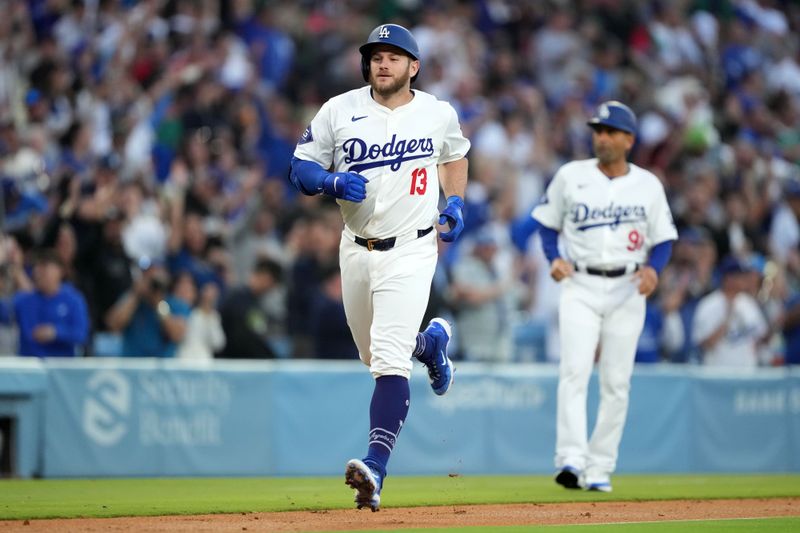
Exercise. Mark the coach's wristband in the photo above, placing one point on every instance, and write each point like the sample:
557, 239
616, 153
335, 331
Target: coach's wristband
659, 255
549, 243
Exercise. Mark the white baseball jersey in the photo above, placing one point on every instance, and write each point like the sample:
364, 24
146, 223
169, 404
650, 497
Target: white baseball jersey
396, 150
745, 327
606, 222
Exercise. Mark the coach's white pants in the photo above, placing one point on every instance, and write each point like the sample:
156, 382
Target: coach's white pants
385, 295
592, 309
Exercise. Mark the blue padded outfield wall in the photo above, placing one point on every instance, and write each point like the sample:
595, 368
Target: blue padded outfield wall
23, 382
123, 417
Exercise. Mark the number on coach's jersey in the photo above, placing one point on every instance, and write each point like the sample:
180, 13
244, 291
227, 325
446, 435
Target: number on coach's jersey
419, 181
636, 240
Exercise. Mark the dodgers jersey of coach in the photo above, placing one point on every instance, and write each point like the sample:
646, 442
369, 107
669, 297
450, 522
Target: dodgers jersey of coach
396, 150
614, 224
606, 222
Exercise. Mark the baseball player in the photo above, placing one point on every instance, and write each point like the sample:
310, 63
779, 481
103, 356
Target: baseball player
383, 150
616, 231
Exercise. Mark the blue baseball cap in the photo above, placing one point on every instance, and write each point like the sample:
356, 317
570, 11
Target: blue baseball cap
615, 115
392, 34
731, 265
694, 235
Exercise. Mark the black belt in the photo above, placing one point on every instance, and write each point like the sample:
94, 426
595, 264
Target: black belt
388, 243
610, 273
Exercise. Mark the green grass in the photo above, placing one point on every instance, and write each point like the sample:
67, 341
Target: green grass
757, 525
20, 499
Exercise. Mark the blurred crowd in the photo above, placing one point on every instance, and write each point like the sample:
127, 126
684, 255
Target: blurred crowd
144, 148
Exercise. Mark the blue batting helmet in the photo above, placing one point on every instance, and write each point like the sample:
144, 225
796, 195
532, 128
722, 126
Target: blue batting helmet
615, 115
392, 34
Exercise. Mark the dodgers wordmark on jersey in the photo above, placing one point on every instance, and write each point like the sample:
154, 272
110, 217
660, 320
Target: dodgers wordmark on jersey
396, 150
606, 222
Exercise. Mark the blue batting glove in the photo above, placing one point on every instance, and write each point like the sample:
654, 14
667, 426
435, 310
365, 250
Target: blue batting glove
346, 185
453, 216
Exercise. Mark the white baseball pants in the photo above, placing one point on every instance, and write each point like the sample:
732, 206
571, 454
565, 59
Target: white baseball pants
610, 311
385, 295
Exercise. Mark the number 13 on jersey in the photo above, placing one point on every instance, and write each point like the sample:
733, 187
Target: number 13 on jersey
419, 181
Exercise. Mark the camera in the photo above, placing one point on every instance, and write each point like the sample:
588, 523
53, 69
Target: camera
158, 284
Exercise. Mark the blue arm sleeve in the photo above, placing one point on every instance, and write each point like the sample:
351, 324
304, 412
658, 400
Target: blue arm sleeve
659, 255
549, 243
521, 231
307, 176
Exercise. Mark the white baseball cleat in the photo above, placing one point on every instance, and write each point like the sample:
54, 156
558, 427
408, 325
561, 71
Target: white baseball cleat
366, 482
602, 486
598, 482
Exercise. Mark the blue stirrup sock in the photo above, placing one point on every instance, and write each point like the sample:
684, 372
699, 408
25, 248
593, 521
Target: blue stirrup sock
423, 351
387, 412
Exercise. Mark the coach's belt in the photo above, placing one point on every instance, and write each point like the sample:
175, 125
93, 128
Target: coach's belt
388, 243
607, 273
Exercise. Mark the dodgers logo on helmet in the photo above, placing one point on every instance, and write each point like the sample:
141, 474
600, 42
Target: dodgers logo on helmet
392, 34
615, 115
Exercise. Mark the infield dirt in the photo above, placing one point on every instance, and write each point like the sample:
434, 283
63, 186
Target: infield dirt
424, 517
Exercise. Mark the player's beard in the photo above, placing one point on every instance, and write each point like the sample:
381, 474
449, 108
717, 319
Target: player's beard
396, 86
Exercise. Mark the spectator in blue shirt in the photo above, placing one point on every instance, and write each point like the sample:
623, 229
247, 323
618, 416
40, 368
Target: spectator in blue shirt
53, 319
152, 321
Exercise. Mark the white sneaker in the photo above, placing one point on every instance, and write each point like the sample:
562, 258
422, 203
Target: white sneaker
599, 484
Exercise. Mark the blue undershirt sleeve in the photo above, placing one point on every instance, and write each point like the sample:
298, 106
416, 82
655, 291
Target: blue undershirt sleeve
521, 230
659, 255
549, 243
307, 176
